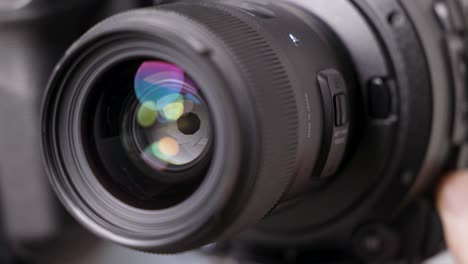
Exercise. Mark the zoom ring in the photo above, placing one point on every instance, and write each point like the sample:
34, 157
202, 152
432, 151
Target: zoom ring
271, 89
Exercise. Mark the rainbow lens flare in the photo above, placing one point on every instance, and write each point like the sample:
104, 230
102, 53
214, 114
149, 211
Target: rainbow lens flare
171, 122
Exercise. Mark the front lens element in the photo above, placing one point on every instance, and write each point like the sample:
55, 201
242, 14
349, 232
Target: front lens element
169, 127
148, 132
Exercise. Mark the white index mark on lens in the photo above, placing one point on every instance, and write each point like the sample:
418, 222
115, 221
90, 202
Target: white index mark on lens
295, 39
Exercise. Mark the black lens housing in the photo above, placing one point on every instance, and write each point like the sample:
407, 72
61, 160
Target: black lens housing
286, 83
259, 127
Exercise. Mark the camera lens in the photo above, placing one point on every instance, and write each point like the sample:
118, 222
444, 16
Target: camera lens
166, 129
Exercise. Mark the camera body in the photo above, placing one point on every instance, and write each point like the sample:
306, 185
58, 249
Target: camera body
34, 35
31, 44
402, 65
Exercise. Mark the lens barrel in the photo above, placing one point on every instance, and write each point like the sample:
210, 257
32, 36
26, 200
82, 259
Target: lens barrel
168, 128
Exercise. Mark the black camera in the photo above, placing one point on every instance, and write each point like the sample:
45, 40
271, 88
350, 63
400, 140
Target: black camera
314, 126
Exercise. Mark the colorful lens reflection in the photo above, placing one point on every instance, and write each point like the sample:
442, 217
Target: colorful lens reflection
166, 97
147, 114
165, 148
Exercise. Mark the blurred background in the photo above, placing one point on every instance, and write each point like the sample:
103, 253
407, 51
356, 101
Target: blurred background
33, 36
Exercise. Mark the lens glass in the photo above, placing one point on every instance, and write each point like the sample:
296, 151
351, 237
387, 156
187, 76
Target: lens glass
147, 132
169, 125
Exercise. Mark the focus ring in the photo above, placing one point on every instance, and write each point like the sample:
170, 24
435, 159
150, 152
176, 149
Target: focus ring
272, 94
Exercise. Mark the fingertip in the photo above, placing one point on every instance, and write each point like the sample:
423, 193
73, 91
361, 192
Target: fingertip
452, 203
453, 194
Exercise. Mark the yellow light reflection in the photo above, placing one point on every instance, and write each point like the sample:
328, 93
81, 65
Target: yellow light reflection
173, 111
147, 114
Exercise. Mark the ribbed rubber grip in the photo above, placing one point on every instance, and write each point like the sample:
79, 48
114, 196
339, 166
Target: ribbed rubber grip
273, 94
